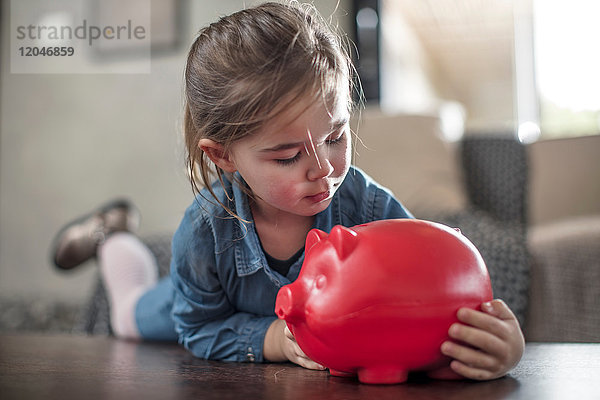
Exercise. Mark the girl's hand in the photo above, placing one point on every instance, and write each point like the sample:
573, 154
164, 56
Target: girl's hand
492, 342
295, 354
280, 345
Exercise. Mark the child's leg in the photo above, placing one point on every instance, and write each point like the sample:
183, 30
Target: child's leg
139, 306
153, 312
128, 270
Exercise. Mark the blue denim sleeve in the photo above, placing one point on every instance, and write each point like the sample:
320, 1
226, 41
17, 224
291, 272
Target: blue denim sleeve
205, 321
371, 200
385, 205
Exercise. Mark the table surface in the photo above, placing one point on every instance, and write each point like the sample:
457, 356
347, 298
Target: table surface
63, 367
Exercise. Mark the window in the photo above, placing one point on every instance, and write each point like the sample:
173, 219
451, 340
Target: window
567, 66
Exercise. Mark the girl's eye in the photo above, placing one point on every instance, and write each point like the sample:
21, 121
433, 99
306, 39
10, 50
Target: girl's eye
288, 161
336, 140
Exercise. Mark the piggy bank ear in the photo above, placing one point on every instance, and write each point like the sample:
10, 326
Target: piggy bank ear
314, 236
344, 240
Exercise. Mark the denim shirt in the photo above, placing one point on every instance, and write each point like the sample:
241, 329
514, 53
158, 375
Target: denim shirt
224, 289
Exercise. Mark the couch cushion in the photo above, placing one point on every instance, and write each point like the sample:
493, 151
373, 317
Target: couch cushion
406, 154
496, 173
565, 271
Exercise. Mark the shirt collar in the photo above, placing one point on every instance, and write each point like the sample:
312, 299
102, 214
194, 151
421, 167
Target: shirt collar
249, 256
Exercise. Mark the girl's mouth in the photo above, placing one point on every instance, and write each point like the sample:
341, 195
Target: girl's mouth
319, 197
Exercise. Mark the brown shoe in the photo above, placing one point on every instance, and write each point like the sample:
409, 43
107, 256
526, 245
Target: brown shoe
78, 241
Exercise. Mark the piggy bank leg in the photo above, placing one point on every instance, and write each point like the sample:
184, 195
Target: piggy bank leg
445, 373
383, 375
335, 372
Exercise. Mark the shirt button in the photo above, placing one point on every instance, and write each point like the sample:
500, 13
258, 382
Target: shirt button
250, 355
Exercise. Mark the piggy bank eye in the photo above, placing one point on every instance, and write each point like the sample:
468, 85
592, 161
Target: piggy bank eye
320, 282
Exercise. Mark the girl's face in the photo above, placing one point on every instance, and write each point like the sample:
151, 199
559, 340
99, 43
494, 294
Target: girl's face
295, 165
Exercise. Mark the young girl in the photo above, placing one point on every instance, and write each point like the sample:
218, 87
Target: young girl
268, 100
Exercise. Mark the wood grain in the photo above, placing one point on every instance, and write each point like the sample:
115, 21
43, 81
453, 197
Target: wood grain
64, 367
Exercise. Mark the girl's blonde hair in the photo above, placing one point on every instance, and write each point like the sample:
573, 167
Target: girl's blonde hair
249, 67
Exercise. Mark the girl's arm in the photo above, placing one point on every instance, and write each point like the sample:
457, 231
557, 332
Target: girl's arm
211, 328
206, 320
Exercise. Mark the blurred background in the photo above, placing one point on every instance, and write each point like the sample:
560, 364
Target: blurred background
70, 141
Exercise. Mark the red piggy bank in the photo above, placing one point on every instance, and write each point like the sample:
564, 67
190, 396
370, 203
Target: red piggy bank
377, 300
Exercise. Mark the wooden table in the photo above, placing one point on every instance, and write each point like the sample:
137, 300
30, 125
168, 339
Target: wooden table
64, 367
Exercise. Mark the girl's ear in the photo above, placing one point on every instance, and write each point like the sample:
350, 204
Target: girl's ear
217, 154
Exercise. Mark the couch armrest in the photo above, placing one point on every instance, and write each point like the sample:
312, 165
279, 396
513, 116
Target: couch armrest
564, 300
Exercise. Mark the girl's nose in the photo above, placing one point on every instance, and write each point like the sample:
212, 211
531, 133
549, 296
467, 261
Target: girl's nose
320, 167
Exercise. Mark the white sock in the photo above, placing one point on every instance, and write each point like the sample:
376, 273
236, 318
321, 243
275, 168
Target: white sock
128, 269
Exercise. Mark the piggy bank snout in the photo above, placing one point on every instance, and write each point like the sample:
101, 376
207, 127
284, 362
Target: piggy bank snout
288, 305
